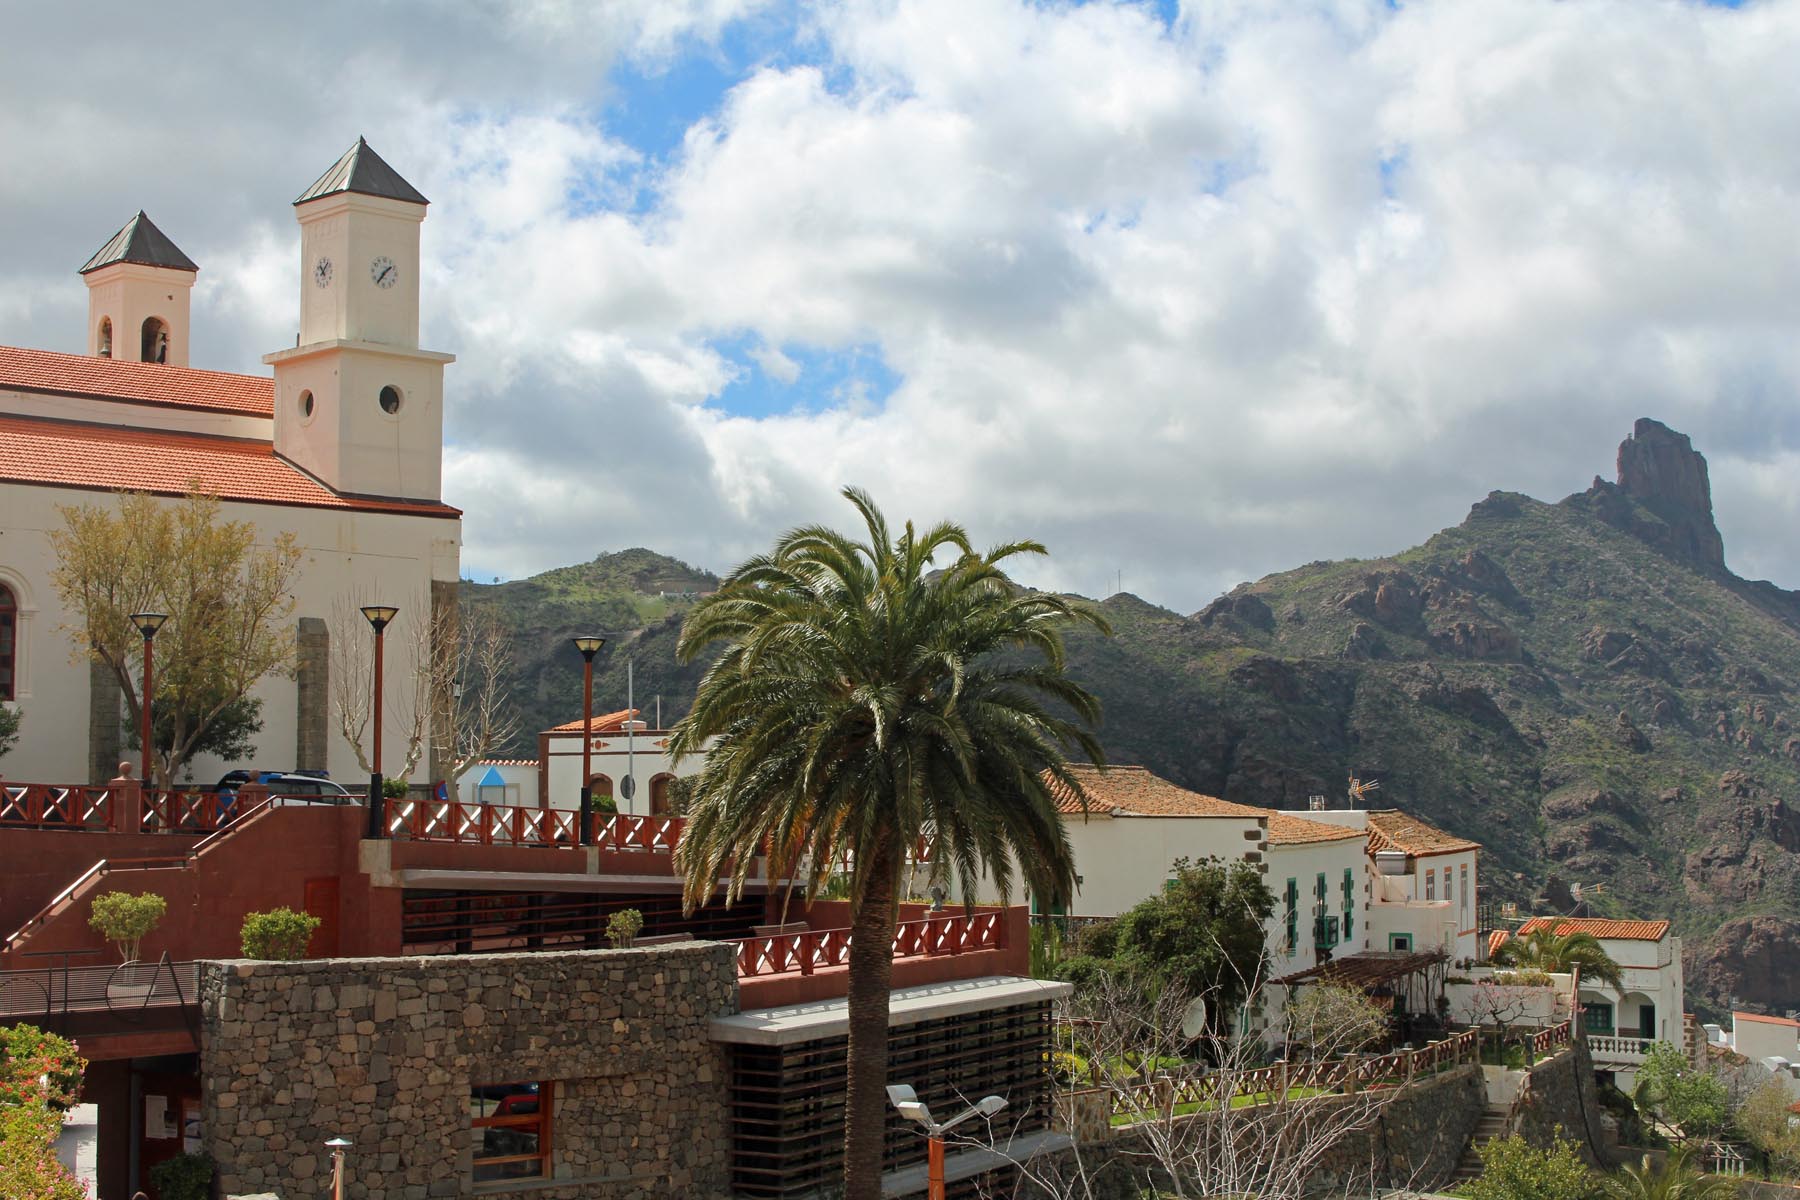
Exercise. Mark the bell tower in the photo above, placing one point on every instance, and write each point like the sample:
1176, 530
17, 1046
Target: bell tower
357, 403
138, 287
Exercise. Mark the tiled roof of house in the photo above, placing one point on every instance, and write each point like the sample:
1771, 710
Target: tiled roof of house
115, 459
1627, 931
1291, 829
1495, 938
1760, 1018
1391, 829
135, 382
612, 722
1132, 791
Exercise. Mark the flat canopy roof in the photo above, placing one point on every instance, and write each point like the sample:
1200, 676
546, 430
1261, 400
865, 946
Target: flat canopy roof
1366, 970
828, 1018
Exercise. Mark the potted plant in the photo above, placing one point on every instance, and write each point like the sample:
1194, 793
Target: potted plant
281, 934
623, 926
125, 919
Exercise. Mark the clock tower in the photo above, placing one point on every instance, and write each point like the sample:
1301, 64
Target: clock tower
357, 403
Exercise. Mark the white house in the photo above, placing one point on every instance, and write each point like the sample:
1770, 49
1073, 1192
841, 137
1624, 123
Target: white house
1423, 882
341, 446
1319, 873
623, 749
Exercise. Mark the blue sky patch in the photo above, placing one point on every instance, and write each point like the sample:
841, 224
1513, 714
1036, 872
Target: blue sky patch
849, 376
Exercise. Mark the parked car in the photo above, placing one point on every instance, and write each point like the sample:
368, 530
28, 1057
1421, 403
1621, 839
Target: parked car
285, 787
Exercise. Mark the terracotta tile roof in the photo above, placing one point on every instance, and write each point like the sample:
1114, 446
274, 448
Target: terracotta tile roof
1391, 829
1758, 1017
1628, 931
612, 722
135, 382
1292, 829
1132, 791
116, 459
1495, 938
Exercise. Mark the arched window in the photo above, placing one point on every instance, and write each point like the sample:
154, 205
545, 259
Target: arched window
600, 789
9, 641
156, 341
103, 339
660, 800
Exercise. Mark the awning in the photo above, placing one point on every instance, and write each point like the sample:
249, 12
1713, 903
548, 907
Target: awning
1366, 970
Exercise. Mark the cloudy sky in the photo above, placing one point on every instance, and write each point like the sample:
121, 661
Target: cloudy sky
1192, 293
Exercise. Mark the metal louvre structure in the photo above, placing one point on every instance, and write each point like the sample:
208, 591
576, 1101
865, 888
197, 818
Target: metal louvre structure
471, 922
787, 1101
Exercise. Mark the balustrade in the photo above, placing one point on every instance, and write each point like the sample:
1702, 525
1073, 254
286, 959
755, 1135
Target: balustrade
52, 806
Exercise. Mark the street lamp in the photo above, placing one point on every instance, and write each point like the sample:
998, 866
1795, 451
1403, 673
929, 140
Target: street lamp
148, 623
589, 646
337, 1146
907, 1103
379, 616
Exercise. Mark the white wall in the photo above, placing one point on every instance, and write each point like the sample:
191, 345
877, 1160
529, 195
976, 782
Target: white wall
644, 756
386, 558
1303, 863
1124, 860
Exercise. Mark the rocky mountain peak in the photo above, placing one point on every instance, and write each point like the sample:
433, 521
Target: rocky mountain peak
1660, 469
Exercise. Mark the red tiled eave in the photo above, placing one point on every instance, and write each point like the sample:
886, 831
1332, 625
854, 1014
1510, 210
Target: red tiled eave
1131, 791
612, 722
115, 459
1290, 829
1761, 1019
136, 383
1627, 931
1391, 829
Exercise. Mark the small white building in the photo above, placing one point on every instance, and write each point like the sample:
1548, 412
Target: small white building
1137, 825
1772, 1042
629, 765
1320, 876
1423, 882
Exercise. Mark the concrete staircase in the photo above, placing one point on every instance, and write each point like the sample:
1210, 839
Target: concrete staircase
1492, 1125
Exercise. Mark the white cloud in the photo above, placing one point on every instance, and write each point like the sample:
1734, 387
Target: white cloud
1150, 293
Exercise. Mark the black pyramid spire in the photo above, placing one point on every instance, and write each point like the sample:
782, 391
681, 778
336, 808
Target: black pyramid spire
140, 242
364, 171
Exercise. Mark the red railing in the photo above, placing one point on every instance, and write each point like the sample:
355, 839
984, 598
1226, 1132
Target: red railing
809, 950
187, 812
1549, 1041
51, 806
517, 825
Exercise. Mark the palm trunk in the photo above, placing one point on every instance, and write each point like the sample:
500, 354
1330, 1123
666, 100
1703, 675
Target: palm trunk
871, 970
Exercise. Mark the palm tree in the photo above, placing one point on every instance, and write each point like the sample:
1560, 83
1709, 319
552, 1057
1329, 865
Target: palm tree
1545, 949
868, 695
1679, 1179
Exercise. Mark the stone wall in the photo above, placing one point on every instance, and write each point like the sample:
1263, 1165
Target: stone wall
1559, 1094
384, 1052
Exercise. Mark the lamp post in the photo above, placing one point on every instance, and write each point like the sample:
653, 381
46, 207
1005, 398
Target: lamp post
379, 617
337, 1146
589, 646
148, 623
907, 1103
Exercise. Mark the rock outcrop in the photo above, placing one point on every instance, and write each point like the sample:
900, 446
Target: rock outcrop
1662, 495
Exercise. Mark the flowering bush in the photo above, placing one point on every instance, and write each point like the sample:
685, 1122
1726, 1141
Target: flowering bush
38, 1068
40, 1075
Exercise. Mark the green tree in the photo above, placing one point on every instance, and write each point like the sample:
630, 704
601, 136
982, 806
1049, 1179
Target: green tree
1513, 1169
1679, 1178
1547, 950
280, 934
9, 728
1203, 933
1695, 1102
226, 601
1767, 1123
1330, 1018
869, 694
126, 919
230, 735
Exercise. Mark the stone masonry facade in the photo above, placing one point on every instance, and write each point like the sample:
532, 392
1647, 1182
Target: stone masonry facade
385, 1051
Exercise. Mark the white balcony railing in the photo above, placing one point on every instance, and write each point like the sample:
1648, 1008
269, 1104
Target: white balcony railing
1607, 1048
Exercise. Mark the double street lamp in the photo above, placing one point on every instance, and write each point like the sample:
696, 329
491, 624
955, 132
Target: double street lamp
147, 623
907, 1103
379, 617
589, 646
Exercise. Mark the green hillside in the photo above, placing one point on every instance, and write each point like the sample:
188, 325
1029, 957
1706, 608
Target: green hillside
1581, 686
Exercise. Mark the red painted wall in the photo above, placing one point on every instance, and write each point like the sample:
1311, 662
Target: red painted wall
36, 864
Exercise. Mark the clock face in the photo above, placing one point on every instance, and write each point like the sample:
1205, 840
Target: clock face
384, 272
322, 272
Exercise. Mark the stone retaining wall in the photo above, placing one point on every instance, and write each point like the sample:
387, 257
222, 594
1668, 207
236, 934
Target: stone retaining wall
384, 1052
1559, 1095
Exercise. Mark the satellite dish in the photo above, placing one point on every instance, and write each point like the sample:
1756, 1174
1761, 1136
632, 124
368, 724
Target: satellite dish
628, 787
1193, 1021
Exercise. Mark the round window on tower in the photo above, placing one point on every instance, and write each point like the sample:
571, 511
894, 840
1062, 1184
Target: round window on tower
306, 406
390, 399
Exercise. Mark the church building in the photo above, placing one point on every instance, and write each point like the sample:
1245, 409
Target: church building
341, 445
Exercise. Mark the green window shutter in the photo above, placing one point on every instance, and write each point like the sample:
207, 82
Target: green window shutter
1293, 914
1349, 902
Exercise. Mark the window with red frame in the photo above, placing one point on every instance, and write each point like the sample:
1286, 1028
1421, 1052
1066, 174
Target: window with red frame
9, 641
511, 1127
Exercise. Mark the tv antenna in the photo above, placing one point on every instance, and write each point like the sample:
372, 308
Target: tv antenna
1359, 790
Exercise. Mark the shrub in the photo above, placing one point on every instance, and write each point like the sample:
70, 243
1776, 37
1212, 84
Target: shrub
1514, 1169
38, 1068
9, 728
184, 1177
623, 925
1524, 977
393, 789
1695, 1102
29, 1168
280, 934
1330, 1019
126, 919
